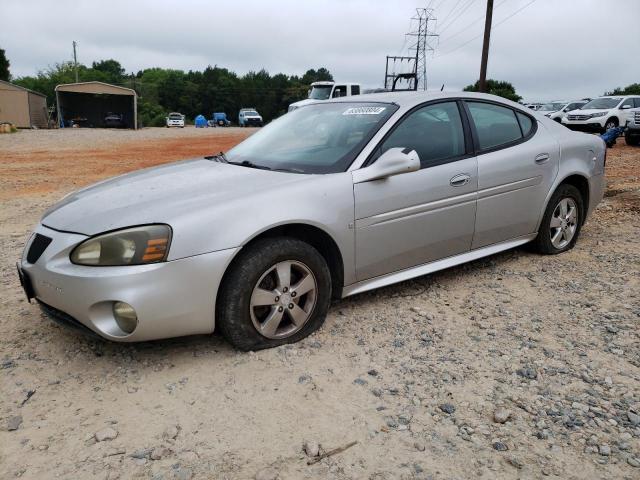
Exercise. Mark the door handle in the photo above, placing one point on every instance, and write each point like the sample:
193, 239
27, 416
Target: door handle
542, 158
460, 180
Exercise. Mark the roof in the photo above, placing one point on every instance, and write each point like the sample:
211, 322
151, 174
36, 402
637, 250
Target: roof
2, 82
95, 87
409, 99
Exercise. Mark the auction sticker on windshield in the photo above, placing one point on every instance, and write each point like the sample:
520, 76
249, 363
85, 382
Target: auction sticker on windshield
364, 111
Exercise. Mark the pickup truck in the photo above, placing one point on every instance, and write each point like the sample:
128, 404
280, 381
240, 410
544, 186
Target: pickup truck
632, 134
327, 90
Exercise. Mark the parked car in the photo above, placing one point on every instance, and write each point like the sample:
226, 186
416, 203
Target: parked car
220, 119
602, 114
330, 200
114, 120
327, 90
175, 119
249, 117
632, 133
556, 110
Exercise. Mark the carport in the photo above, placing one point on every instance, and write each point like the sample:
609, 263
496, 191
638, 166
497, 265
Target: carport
88, 103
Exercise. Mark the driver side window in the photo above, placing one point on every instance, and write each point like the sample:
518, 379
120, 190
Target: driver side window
435, 132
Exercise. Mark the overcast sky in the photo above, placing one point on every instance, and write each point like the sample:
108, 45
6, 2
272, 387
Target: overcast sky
551, 49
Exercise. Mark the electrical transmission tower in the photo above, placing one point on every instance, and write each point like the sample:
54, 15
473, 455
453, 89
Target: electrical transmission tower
411, 70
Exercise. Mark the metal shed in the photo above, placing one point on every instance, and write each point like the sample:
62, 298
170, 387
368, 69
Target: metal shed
22, 107
89, 103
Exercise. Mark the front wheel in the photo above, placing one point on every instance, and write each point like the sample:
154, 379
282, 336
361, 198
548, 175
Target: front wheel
632, 139
561, 222
611, 123
277, 291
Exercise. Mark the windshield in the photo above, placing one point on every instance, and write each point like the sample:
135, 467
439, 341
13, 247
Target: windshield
175, 116
551, 107
321, 92
322, 138
250, 113
602, 103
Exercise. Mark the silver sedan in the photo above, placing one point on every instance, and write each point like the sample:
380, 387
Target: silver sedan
330, 200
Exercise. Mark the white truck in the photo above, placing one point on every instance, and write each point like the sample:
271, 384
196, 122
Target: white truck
632, 134
327, 90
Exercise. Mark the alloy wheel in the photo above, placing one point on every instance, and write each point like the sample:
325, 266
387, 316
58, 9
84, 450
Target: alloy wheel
564, 223
283, 299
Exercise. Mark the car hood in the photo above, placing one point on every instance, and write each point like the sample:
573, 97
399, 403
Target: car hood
302, 103
159, 195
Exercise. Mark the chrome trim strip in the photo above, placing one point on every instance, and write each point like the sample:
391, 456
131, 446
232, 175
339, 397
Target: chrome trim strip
509, 187
415, 210
413, 272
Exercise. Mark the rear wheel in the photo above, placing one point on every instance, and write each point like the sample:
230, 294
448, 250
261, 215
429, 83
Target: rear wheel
561, 222
277, 291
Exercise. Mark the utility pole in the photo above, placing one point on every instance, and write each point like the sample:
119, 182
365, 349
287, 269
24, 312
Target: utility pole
482, 84
75, 60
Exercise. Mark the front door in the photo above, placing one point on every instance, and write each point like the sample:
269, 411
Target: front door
418, 217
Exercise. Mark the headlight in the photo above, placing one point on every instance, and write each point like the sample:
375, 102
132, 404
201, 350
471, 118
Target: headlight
599, 114
131, 246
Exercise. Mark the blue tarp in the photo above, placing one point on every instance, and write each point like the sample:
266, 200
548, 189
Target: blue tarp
201, 122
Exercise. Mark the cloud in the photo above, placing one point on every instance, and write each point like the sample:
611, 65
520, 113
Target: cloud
551, 49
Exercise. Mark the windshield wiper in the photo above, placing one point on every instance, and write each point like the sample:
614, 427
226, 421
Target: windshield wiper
248, 164
218, 157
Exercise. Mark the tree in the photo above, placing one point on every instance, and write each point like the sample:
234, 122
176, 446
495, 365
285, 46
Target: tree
4, 67
111, 69
633, 89
160, 91
497, 87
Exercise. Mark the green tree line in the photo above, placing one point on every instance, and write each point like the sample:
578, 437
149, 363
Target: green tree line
191, 93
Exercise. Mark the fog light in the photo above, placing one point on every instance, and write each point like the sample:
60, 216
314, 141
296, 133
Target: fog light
125, 316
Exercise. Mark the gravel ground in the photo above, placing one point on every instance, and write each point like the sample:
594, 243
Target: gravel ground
513, 366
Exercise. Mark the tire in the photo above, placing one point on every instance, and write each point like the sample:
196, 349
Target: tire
255, 271
544, 242
633, 140
610, 123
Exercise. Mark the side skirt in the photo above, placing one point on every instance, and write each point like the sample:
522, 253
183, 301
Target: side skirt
418, 271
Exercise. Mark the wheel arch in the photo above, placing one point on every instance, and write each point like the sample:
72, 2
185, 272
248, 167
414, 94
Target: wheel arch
612, 117
578, 180
314, 236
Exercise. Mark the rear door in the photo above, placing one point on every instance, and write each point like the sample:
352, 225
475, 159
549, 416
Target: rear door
517, 163
418, 217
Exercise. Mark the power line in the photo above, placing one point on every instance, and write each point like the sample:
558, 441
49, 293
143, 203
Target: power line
478, 36
462, 10
463, 30
444, 20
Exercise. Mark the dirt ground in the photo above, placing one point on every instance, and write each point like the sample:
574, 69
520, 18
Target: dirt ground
513, 366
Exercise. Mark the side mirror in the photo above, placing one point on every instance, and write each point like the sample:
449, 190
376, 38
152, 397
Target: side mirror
625, 107
392, 162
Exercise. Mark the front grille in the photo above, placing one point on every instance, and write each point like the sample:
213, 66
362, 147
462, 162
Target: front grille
579, 117
37, 248
636, 117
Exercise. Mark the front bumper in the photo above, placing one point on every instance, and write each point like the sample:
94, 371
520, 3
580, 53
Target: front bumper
591, 125
171, 299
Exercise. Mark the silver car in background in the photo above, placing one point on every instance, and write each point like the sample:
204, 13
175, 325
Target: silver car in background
330, 200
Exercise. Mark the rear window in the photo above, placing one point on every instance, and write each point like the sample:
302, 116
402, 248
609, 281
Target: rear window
495, 125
